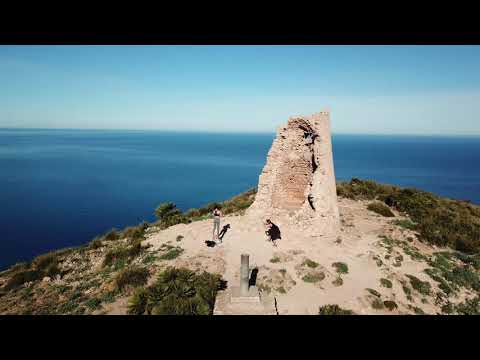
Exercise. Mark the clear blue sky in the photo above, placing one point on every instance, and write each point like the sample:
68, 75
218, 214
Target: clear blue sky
369, 89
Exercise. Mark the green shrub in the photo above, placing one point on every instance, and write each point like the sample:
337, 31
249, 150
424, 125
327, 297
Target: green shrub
418, 311
423, 287
112, 235
134, 233
122, 253
21, 278
310, 263
373, 292
177, 292
338, 281
93, 303
381, 209
168, 215
377, 304
275, 259
132, 276
334, 310
440, 221
341, 267
137, 304
443, 284
313, 278
390, 305
172, 253
43, 261
386, 283
405, 223
150, 258
473, 260
52, 270
96, 243
469, 307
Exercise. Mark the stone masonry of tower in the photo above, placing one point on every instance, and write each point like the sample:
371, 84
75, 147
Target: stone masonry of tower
297, 183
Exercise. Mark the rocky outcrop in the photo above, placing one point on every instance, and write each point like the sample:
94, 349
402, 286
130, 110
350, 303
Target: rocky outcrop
297, 183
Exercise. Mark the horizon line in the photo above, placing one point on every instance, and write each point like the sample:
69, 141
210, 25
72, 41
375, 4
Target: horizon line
238, 131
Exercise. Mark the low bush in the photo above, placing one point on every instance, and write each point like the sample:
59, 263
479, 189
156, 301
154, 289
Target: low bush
381, 209
177, 292
386, 283
122, 253
21, 277
310, 263
406, 224
168, 215
440, 221
338, 281
132, 276
172, 253
314, 277
390, 305
423, 287
334, 310
341, 267
96, 243
373, 292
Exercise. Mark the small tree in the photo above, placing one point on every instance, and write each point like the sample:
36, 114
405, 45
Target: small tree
169, 215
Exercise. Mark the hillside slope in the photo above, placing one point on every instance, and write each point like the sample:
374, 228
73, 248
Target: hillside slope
380, 262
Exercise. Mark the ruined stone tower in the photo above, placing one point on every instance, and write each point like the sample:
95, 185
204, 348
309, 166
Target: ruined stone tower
297, 183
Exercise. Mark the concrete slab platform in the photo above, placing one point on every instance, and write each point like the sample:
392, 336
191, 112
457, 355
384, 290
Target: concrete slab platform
253, 295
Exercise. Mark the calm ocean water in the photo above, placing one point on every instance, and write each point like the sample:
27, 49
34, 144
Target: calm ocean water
60, 188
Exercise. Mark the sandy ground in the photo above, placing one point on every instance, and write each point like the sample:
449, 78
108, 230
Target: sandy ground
356, 245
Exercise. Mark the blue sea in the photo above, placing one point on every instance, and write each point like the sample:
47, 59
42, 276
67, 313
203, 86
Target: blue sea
60, 188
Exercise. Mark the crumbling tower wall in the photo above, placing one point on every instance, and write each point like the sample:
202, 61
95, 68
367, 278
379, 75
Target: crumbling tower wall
297, 183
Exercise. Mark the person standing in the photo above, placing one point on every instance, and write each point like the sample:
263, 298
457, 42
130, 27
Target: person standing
216, 223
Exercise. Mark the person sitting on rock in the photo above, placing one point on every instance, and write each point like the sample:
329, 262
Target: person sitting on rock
272, 232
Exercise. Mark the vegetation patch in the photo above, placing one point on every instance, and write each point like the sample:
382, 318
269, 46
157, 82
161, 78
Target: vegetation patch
93, 303
377, 304
334, 310
378, 261
313, 277
405, 223
172, 253
310, 263
390, 305
338, 281
469, 307
132, 276
341, 267
177, 292
381, 209
386, 283
122, 253
373, 292
275, 259
439, 221
423, 287
150, 258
